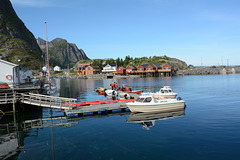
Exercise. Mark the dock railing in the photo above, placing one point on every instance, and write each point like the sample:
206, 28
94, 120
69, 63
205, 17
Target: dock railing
48, 101
7, 98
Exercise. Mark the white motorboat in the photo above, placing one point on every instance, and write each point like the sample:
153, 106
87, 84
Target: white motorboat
111, 93
146, 103
164, 92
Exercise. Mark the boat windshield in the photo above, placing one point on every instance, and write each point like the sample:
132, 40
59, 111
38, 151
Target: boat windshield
140, 99
165, 91
148, 99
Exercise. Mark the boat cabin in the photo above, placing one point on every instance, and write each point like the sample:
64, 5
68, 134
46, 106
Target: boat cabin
166, 89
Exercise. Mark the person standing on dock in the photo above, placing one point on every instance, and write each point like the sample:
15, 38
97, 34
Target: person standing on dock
116, 85
112, 85
123, 87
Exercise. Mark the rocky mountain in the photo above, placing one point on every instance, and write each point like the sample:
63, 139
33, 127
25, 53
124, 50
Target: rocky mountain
62, 53
17, 43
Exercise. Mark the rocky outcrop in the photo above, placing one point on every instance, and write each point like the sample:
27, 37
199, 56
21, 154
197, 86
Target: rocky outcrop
17, 43
62, 53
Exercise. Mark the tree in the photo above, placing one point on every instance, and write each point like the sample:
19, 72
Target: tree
118, 62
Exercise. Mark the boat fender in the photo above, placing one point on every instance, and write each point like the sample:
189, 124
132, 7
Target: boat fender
9, 77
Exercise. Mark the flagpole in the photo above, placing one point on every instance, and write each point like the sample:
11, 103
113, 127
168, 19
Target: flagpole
48, 66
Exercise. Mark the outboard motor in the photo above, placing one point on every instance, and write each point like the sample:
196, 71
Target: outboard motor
179, 98
125, 96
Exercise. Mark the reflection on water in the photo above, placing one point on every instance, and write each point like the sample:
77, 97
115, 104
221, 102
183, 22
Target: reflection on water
84, 89
15, 128
147, 120
208, 128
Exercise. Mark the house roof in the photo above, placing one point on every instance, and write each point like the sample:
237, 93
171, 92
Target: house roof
93, 66
133, 67
83, 65
122, 67
112, 65
144, 65
157, 65
169, 65
152, 66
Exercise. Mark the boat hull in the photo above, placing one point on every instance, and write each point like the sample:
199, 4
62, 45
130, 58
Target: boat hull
134, 107
136, 92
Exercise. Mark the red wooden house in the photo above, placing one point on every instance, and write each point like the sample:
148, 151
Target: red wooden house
168, 66
121, 70
151, 68
91, 69
142, 67
81, 68
130, 69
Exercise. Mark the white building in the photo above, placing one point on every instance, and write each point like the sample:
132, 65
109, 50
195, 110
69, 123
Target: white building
109, 68
57, 69
44, 69
13, 74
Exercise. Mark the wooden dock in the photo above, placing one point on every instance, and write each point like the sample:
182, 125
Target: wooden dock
66, 104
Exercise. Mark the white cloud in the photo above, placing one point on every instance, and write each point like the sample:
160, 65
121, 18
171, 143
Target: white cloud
33, 3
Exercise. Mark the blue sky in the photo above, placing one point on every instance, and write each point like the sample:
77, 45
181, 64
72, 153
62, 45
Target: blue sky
199, 32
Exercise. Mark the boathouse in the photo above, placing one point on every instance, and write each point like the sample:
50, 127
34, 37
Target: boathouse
121, 70
142, 67
130, 69
168, 66
13, 74
151, 68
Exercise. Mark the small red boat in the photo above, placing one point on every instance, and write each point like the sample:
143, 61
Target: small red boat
4, 85
137, 91
134, 91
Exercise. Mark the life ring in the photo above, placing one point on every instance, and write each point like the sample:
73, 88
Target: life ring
9, 77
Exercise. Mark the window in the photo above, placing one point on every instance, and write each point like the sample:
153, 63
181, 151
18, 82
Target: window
140, 99
89, 68
148, 99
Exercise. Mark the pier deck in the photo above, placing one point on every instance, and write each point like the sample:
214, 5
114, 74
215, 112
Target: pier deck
97, 109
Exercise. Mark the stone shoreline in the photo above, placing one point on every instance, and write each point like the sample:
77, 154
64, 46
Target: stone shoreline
210, 70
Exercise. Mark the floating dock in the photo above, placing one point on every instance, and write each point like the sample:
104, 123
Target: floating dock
97, 109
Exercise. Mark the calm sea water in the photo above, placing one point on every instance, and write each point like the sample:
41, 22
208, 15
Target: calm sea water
208, 129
